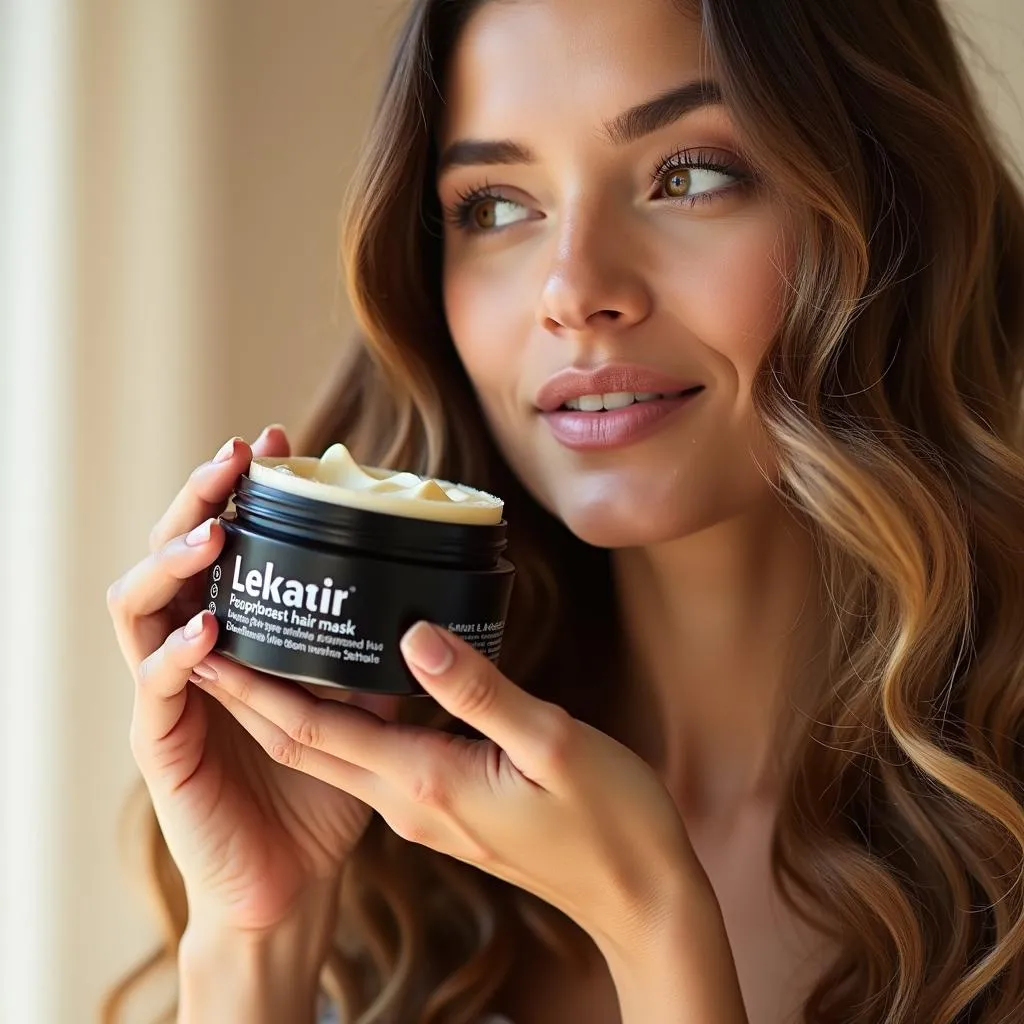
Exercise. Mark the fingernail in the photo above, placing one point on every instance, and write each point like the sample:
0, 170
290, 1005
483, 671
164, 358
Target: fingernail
426, 648
194, 626
267, 429
227, 451
200, 535
206, 670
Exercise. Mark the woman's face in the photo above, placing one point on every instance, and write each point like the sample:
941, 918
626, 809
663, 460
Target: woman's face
589, 229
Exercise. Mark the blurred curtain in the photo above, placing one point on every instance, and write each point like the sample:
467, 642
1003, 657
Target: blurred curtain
34, 280
104, 317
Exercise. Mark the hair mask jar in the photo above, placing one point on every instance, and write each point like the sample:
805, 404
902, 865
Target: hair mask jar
327, 563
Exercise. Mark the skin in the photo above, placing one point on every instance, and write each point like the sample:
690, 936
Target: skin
594, 264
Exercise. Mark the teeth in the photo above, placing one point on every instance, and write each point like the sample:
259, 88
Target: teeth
614, 400
617, 399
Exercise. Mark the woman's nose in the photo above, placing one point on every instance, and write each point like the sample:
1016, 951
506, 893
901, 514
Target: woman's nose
594, 279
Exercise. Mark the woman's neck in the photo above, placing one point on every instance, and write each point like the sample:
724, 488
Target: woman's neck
723, 630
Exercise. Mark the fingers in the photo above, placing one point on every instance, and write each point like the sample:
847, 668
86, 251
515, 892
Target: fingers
151, 584
160, 683
535, 734
273, 440
382, 705
330, 726
184, 542
210, 485
287, 750
204, 494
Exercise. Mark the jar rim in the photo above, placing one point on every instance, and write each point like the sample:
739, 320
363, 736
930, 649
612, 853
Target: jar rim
305, 519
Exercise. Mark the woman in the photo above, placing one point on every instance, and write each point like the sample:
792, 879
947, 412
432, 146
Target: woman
725, 302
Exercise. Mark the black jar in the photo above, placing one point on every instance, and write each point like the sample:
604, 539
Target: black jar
322, 592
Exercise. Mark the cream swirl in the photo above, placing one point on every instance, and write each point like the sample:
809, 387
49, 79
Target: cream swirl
337, 478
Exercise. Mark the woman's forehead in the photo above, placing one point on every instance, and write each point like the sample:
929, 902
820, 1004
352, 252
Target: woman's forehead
521, 60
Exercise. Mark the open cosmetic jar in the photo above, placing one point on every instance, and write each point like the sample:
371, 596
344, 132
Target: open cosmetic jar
327, 563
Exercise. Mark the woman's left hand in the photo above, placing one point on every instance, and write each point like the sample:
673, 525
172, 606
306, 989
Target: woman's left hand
545, 801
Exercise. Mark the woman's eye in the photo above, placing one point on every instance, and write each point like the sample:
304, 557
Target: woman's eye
495, 212
687, 177
690, 182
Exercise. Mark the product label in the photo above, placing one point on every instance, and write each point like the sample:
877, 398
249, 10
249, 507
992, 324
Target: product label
338, 618
267, 606
484, 636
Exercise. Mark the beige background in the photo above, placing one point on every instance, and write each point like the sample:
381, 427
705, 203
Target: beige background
211, 144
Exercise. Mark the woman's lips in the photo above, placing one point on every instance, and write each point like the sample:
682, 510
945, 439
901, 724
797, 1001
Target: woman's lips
612, 428
573, 381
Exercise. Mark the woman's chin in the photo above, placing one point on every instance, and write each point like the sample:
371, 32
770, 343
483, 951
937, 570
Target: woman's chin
625, 525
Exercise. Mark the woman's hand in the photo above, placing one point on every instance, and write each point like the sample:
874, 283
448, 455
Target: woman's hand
544, 801
256, 843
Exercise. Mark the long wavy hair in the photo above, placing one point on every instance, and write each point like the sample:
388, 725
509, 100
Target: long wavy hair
894, 398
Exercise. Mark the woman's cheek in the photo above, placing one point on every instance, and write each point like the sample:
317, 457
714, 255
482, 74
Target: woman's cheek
730, 295
485, 314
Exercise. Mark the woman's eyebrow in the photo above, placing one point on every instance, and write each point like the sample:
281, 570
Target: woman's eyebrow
627, 127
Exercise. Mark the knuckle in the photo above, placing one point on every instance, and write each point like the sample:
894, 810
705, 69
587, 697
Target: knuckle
557, 738
430, 789
483, 856
306, 731
477, 692
411, 829
286, 752
238, 685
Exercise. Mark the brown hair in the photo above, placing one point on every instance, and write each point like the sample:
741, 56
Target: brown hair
894, 397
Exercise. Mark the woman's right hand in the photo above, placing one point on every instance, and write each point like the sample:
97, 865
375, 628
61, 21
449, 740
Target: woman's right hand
255, 840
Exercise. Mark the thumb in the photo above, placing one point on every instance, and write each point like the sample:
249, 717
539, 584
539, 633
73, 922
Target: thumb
469, 686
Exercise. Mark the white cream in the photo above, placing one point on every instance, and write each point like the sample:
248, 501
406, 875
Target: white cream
337, 478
